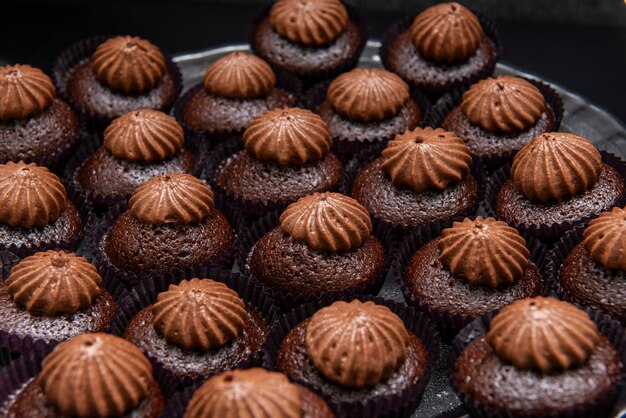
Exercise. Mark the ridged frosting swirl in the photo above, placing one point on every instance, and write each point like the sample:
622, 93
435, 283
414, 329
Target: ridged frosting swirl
555, 166
251, 393
426, 159
174, 198
504, 104
239, 75
367, 94
356, 344
446, 33
95, 376
327, 221
25, 91
289, 136
144, 136
199, 314
128, 64
309, 22
53, 283
30, 195
605, 239
543, 334
484, 252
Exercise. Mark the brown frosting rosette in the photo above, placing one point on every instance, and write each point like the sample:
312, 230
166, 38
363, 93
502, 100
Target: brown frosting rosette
199, 314
605, 239
239, 75
327, 221
30, 195
555, 166
446, 33
426, 159
25, 91
543, 334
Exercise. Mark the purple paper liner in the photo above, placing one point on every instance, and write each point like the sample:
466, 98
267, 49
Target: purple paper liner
251, 234
73, 55
448, 324
608, 326
314, 77
548, 234
398, 405
146, 293
7, 261
447, 103
491, 31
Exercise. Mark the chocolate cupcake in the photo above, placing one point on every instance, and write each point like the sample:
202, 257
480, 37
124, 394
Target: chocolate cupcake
287, 156
234, 90
557, 181
473, 268
35, 125
35, 212
91, 375
539, 357
106, 78
313, 39
367, 107
137, 146
170, 223
424, 176
49, 297
498, 116
323, 249
444, 47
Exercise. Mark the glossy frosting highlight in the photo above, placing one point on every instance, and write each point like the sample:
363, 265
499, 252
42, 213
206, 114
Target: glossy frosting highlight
25, 91
239, 75
605, 239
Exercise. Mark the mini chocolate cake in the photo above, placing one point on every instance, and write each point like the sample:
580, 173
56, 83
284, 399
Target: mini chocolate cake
91, 375
444, 47
541, 357
314, 39
35, 126
422, 177
35, 212
255, 393
367, 107
287, 156
322, 248
50, 297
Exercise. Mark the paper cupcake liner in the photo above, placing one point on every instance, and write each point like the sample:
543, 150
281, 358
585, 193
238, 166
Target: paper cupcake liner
250, 235
447, 103
7, 261
398, 405
433, 92
16, 374
606, 325
548, 234
73, 55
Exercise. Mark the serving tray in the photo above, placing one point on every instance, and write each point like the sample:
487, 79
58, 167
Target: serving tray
579, 117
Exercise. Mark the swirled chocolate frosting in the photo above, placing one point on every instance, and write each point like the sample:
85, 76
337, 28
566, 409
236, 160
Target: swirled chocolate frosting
605, 239
175, 198
288, 136
555, 166
426, 159
504, 104
251, 393
368, 94
543, 334
356, 344
309, 22
128, 64
53, 283
199, 314
485, 252
30, 195
95, 376
327, 221
446, 33
25, 91
239, 75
